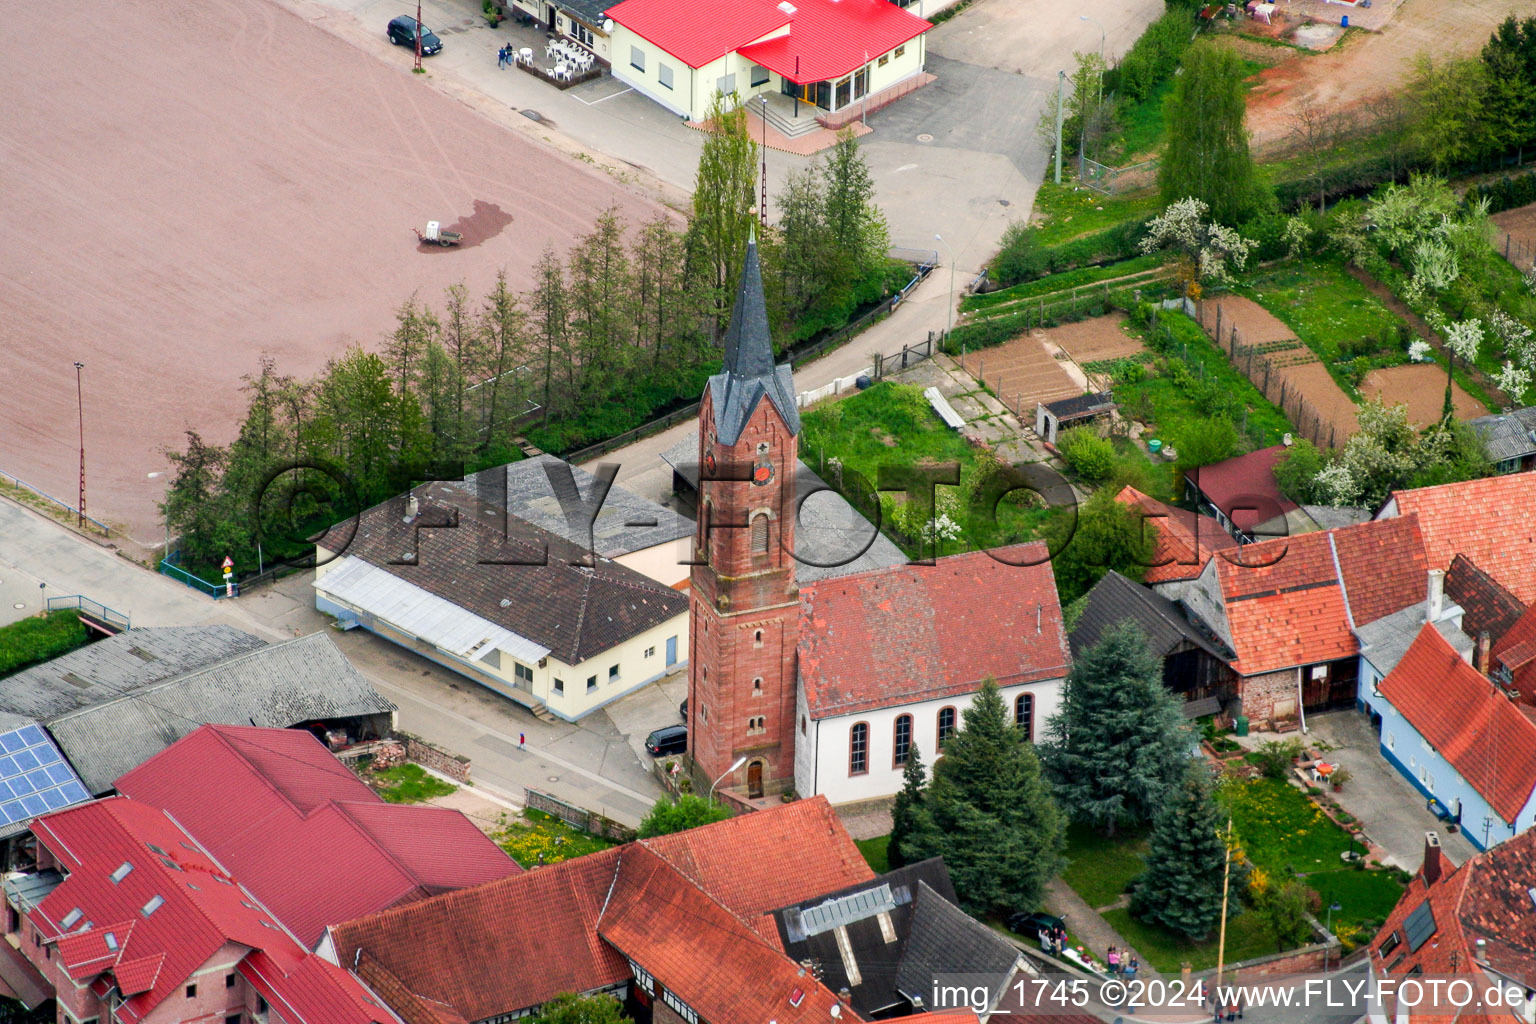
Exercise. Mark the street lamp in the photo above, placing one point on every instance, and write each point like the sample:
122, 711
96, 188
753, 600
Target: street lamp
1329, 929
951, 321
739, 762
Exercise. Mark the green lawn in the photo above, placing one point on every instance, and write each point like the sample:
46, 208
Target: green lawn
1141, 126
1067, 211
1281, 830
1166, 400
891, 426
1364, 897
1099, 869
1246, 938
410, 784
31, 640
874, 853
535, 833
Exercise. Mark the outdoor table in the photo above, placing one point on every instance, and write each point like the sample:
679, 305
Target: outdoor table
525, 55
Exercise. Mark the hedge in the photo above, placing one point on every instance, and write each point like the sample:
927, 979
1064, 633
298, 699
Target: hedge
33, 640
1506, 193
1153, 58
1022, 257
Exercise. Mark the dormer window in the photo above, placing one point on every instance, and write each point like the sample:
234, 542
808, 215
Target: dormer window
122, 872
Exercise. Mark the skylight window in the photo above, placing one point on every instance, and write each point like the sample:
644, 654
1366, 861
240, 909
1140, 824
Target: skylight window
153, 905
111, 940
156, 849
170, 863
122, 871
71, 917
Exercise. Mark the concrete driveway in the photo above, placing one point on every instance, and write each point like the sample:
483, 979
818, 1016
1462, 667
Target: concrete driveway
1391, 811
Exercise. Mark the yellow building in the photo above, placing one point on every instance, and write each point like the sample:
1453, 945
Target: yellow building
516, 608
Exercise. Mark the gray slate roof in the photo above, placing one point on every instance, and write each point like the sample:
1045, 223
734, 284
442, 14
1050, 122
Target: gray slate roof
831, 538
1510, 435
517, 576
945, 940
556, 496
1385, 641
131, 659
274, 686
749, 375
1114, 599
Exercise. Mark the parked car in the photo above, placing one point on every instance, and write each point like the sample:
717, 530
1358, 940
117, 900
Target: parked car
402, 32
682, 709
1028, 924
672, 739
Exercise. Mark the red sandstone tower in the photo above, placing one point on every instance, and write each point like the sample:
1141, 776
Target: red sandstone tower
745, 601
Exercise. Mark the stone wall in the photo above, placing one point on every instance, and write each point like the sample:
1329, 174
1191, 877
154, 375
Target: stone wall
577, 817
455, 766
1269, 695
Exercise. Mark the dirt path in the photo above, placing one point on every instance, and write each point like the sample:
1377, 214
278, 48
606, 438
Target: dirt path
1365, 66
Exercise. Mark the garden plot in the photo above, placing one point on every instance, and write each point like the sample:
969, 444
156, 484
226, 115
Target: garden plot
1097, 340
1421, 387
1023, 371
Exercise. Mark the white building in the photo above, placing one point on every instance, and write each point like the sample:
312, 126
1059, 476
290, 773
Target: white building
890, 659
515, 608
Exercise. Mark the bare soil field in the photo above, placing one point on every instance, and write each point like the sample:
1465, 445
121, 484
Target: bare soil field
1091, 341
1365, 66
191, 185
1328, 416
1022, 372
1421, 388
1516, 238
1255, 324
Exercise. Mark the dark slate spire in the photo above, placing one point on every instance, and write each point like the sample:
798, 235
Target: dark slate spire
748, 343
750, 374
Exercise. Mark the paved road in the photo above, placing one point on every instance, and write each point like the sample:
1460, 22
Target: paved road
592, 763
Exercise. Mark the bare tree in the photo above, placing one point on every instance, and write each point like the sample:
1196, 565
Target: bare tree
1315, 132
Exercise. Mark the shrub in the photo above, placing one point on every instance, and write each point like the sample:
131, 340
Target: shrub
1274, 757
1087, 453
33, 640
1153, 58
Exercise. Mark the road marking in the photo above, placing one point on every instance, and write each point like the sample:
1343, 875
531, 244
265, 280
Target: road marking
645, 799
610, 96
906, 167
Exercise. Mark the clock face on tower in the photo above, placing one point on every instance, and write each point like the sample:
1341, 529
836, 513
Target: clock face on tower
762, 469
709, 464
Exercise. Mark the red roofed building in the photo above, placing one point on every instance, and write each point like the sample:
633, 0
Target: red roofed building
128, 918
1513, 661
265, 800
1185, 540
1476, 922
890, 658
1460, 740
1242, 495
1289, 607
809, 59
1492, 521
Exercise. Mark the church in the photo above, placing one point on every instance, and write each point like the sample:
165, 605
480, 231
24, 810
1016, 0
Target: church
828, 688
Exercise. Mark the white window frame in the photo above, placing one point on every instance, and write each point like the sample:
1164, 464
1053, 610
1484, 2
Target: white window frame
664, 75
637, 58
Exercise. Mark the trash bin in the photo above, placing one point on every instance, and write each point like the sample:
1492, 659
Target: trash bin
1344, 23
1240, 723
1154, 446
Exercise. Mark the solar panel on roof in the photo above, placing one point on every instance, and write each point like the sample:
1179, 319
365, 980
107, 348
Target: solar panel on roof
34, 777
1419, 926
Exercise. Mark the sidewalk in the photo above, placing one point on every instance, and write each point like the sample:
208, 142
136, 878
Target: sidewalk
1088, 926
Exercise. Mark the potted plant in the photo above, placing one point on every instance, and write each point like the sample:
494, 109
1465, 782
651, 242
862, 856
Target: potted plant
1339, 777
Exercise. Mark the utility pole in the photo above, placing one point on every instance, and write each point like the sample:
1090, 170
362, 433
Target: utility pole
80, 408
1061, 84
418, 35
762, 216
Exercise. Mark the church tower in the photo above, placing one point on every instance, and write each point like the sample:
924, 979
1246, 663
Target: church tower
745, 606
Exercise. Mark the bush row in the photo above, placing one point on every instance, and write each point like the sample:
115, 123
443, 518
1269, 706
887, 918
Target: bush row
1506, 193
1023, 258
34, 640
1153, 58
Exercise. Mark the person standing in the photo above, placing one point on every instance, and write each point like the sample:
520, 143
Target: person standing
1114, 960
522, 742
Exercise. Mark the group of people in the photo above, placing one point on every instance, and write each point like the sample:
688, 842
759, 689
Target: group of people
506, 56
1052, 940
1122, 964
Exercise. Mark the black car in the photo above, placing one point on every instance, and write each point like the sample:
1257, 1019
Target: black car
1029, 924
402, 32
672, 739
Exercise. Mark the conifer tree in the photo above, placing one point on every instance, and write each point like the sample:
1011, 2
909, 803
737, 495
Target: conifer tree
1181, 888
1118, 743
909, 813
989, 813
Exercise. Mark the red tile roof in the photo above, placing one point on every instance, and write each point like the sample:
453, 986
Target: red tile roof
1480, 732
541, 927
831, 38
200, 912
915, 632
1244, 487
1383, 566
825, 38
1486, 605
1486, 898
1284, 606
1515, 652
265, 801
1492, 521
701, 951
1185, 540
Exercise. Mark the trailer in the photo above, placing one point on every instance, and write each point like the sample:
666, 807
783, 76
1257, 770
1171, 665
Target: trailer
435, 235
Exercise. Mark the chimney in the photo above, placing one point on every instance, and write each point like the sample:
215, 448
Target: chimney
1432, 867
1436, 595
1480, 656
412, 507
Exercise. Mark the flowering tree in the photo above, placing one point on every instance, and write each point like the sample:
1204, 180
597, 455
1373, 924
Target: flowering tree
1513, 380
1418, 351
1210, 252
1519, 344
1463, 339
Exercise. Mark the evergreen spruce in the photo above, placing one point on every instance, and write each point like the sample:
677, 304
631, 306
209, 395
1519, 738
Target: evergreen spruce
989, 813
1181, 888
909, 814
1118, 743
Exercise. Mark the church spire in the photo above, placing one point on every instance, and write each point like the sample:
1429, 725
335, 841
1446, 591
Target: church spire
748, 343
